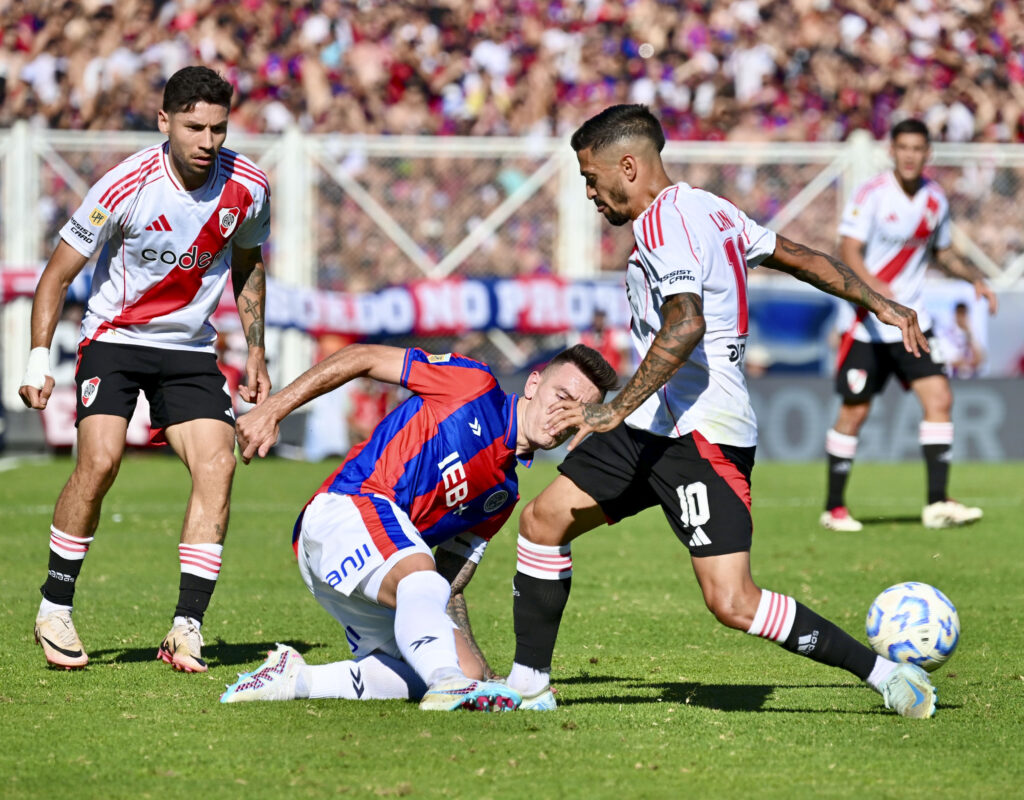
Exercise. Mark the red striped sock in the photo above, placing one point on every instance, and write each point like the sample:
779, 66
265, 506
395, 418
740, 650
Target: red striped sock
774, 617
201, 560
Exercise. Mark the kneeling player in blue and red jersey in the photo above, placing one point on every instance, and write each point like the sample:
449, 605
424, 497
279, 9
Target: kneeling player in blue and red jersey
438, 471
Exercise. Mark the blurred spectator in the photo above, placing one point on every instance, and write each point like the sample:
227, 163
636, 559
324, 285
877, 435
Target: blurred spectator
747, 70
769, 69
965, 355
613, 344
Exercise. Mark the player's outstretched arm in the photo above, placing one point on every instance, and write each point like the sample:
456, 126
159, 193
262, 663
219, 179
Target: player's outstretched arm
682, 328
955, 266
249, 281
458, 571
62, 268
258, 430
833, 276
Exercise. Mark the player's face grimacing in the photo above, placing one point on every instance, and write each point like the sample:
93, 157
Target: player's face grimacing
909, 154
196, 137
604, 185
563, 383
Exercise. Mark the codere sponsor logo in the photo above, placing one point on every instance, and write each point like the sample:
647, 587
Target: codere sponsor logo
187, 260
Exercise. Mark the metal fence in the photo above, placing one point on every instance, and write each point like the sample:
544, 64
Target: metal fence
362, 212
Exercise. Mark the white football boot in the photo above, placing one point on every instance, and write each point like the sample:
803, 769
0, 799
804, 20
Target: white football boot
949, 514
274, 679
839, 519
909, 692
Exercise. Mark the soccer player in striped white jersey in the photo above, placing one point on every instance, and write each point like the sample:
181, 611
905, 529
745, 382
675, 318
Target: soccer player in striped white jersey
167, 224
681, 433
891, 227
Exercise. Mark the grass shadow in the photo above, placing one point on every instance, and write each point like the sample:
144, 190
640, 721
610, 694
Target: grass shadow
217, 654
895, 519
719, 697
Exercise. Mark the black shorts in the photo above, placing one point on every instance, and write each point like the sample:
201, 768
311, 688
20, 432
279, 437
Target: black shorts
703, 488
181, 385
868, 365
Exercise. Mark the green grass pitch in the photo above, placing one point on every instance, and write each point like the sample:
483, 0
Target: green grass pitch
657, 699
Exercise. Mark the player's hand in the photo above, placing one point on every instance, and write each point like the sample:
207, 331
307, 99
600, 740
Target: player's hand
981, 290
35, 397
37, 385
257, 379
580, 419
257, 432
892, 313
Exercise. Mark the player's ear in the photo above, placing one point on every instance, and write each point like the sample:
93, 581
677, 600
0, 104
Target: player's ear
532, 382
628, 166
163, 121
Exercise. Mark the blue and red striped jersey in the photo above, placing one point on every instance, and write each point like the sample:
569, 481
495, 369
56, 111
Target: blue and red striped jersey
446, 456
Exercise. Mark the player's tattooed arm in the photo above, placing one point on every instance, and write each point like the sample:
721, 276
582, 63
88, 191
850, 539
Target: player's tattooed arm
823, 272
458, 571
834, 277
249, 281
682, 327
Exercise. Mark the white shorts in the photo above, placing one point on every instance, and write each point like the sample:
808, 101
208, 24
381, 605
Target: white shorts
347, 545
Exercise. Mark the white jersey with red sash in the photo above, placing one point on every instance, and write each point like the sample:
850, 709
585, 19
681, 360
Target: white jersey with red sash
164, 260
899, 233
689, 240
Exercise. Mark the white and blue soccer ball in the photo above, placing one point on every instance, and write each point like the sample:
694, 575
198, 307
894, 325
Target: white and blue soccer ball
914, 623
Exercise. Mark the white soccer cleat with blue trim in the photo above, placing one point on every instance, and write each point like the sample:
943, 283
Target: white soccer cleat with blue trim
542, 701
909, 692
470, 695
274, 679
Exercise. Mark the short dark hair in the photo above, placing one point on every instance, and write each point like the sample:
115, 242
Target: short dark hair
961, 307
910, 126
617, 123
191, 85
591, 363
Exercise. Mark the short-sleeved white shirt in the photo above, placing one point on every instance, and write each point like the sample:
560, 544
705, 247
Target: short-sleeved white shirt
899, 233
164, 250
689, 240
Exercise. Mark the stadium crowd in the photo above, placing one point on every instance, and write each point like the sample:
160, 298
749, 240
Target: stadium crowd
799, 70
745, 70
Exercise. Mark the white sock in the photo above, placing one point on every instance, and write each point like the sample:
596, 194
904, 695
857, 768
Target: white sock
46, 607
882, 670
527, 680
178, 620
423, 630
375, 677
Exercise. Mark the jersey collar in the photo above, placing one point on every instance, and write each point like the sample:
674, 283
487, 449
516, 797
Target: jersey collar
211, 179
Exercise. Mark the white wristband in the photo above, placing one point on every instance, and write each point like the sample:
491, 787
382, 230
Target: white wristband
38, 367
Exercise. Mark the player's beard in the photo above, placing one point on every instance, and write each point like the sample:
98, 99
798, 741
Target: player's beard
618, 196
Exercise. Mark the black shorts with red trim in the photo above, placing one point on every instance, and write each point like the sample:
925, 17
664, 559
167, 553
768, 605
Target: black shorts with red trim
868, 365
181, 385
703, 488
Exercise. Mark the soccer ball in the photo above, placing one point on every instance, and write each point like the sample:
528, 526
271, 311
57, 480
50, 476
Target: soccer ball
915, 623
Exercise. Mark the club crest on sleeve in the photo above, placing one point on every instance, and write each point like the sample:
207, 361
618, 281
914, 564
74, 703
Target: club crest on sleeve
857, 379
89, 391
495, 501
228, 221
439, 358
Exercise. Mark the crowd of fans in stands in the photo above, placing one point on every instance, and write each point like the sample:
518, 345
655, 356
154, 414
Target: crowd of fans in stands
746, 69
